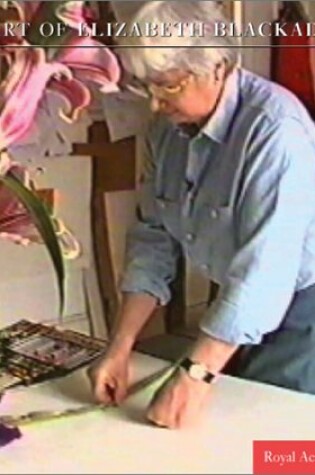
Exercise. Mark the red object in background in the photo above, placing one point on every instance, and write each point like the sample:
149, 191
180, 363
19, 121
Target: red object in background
291, 67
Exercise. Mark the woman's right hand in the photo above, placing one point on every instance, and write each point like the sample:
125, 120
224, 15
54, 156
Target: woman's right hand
109, 378
110, 375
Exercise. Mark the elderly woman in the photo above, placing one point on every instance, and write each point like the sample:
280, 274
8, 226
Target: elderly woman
229, 181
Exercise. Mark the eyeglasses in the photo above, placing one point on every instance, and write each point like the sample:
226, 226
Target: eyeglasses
154, 90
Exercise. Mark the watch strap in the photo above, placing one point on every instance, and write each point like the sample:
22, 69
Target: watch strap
187, 363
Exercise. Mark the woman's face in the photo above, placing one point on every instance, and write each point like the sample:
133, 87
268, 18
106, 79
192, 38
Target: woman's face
185, 98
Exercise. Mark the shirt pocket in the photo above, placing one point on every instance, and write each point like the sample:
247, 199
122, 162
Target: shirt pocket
214, 236
167, 196
169, 211
214, 222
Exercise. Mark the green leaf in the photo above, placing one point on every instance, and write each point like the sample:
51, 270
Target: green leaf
44, 224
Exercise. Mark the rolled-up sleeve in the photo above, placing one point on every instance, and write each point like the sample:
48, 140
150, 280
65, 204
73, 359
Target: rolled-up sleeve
274, 209
152, 253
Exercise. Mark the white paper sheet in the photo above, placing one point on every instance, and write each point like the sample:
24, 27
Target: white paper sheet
126, 114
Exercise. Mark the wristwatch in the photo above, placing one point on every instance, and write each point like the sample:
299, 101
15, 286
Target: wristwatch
197, 371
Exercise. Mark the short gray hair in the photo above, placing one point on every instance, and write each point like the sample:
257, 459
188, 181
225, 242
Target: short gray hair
192, 53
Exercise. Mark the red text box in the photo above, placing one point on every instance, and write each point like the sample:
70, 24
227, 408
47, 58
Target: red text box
290, 457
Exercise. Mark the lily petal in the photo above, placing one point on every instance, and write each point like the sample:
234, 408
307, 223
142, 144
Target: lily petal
5, 163
11, 80
97, 77
23, 89
30, 9
76, 95
89, 59
26, 9
73, 13
14, 5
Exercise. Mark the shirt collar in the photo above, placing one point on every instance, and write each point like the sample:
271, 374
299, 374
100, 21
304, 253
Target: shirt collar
220, 122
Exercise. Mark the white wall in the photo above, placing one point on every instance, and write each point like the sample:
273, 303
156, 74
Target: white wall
27, 282
256, 11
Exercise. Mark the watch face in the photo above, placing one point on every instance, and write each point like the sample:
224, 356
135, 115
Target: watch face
197, 372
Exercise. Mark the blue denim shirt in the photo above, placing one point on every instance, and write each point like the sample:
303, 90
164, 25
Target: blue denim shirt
247, 218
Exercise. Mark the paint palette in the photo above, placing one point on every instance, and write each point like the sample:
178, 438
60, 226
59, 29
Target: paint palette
33, 352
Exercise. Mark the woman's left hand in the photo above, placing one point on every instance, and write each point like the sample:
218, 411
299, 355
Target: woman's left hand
180, 403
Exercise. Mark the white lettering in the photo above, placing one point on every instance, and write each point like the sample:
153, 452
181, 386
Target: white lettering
249, 31
233, 31
135, 30
109, 29
46, 29
181, 29
262, 26
8, 29
297, 29
22, 27
83, 29
61, 28
152, 30
308, 458
166, 30
121, 30
268, 456
279, 29
196, 30
280, 459
220, 29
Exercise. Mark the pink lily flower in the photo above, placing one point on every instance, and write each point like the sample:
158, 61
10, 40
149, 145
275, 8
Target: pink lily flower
31, 74
15, 223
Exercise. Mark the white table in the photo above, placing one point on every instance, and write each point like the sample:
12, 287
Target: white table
119, 441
